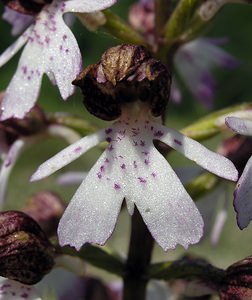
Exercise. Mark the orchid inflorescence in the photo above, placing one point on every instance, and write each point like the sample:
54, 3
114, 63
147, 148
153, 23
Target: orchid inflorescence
129, 87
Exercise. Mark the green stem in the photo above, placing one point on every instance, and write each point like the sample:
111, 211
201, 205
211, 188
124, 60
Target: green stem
187, 268
161, 15
98, 257
121, 30
139, 256
180, 18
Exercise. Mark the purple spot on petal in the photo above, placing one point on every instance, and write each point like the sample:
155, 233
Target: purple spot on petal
117, 186
141, 179
135, 164
153, 174
64, 37
178, 142
102, 168
134, 143
24, 295
108, 130
99, 175
108, 139
123, 166
78, 149
106, 160
142, 143
158, 133
110, 148
8, 162
146, 161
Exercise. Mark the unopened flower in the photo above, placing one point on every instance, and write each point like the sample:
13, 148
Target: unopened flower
13, 290
243, 191
26, 254
46, 208
50, 48
131, 168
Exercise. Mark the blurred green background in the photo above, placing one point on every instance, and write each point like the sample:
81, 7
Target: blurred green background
233, 22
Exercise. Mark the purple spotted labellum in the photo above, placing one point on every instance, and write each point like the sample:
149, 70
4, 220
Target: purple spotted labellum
50, 40
243, 191
13, 290
131, 168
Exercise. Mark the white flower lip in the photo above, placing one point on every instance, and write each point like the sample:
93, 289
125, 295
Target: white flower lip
50, 49
131, 168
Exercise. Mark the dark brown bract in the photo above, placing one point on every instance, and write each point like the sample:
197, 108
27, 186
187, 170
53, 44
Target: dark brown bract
26, 254
125, 74
30, 7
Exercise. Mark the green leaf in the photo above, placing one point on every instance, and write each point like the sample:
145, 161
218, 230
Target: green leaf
213, 123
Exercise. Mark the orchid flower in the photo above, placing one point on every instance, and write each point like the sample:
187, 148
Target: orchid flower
193, 63
243, 191
13, 290
131, 168
50, 48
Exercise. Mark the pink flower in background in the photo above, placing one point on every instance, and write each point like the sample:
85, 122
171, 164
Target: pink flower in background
194, 62
131, 168
50, 49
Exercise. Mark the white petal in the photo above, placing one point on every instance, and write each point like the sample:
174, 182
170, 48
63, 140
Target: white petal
22, 92
13, 290
18, 21
193, 150
87, 6
243, 197
68, 155
8, 164
53, 43
240, 126
14, 48
69, 178
92, 213
166, 208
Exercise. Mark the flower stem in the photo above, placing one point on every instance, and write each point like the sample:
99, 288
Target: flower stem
139, 256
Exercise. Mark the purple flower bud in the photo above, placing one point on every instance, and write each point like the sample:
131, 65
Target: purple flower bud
46, 208
26, 254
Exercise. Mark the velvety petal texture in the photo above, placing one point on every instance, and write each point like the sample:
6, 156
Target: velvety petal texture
243, 197
239, 126
7, 165
68, 155
51, 41
193, 150
13, 290
132, 169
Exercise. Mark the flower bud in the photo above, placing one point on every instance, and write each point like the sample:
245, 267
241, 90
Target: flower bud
26, 254
46, 208
30, 7
238, 281
125, 74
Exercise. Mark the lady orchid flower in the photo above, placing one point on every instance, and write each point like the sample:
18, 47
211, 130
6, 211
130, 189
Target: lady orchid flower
130, 86
243, 191
50, 48
131, 168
